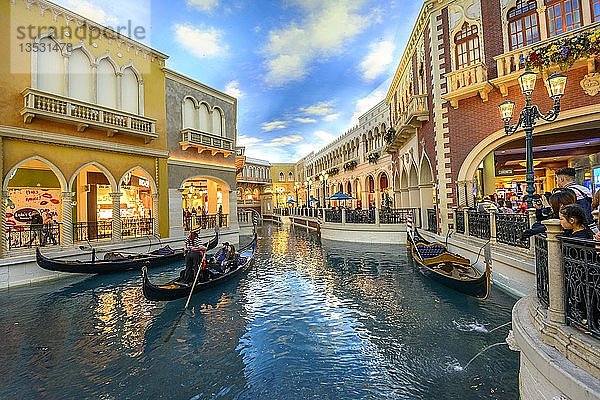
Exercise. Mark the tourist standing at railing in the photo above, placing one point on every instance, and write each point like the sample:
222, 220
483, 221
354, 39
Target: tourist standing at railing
505, 206
546, 208
574, 222
486, 205
35, 229
48, 230
565, 178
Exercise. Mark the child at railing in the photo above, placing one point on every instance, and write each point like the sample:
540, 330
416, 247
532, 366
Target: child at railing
574, 222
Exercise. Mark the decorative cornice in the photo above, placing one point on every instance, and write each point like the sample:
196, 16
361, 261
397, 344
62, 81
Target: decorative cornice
197, 164
187, 81
74, 141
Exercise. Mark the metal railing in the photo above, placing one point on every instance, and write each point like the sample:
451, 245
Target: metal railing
360, 216
541, 269
479, 224
137, 227
432, 220
209, 221
93, 230
33, 235
581, 262
399, 216
510, 227
459, 217
333, 216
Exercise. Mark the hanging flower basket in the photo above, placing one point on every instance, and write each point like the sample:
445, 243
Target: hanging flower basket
565, 52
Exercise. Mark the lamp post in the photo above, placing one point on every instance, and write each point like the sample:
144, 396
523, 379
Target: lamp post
279, 191
308, 183
323, 178
529, 115
296, 187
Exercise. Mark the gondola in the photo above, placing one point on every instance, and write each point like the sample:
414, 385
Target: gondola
173, 290
116, 261
456, 272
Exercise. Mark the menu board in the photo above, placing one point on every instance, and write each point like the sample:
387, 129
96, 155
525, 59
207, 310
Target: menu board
23, 201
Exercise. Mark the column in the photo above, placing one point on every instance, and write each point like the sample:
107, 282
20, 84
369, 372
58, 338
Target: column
155, 214
556, 278
232, 220
493, 226
586, 13
3, 238
116, 216
66, 229
378, 199
212, 197
460, 193
542, 21
469, 193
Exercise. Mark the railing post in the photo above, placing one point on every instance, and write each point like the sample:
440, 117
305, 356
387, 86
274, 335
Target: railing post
493, 226
343, 216
66, 228
376, 216
556, 275
531, 215
155, 205
116, 216
3, 239
466, 214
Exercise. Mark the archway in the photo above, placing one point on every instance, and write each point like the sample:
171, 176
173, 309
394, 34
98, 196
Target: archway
32, 192
205, 202
413, 187
370, 189
138, 203
383, 185
426, 187
404, 192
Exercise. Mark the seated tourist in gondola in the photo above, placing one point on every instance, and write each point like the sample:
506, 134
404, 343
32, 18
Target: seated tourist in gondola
222, 258
193, 258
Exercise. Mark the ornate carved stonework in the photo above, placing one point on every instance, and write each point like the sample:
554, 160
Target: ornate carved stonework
591, 84
469, 9
512, 342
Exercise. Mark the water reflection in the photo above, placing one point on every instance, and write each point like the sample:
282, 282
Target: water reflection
308, 320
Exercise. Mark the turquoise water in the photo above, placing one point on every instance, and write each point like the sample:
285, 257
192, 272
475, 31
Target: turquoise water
307, 321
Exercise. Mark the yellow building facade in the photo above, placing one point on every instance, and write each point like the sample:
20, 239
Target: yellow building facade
82, 129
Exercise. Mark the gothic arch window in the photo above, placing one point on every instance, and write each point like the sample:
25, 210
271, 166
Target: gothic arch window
467, 46
595, 10
290, 177
80, 75
130, 91
281, 177
204, 118
523, 24
217, 122
563, 16
107, 83
50, 67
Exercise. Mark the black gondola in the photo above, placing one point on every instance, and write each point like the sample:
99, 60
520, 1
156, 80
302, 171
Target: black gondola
173, 290
456, 272
115, 261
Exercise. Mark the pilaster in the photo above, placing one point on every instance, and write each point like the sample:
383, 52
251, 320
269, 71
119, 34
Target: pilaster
4, 232
155, 214
66, 229
116, 216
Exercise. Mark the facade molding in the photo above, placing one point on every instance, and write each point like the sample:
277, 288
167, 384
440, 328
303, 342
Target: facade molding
187, 81
197, 164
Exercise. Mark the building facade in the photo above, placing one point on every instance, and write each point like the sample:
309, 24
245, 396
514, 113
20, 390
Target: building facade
253, 184
201, 134
82, 130
464, 58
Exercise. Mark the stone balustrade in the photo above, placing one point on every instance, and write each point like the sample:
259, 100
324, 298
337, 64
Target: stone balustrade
467, 82
206, 142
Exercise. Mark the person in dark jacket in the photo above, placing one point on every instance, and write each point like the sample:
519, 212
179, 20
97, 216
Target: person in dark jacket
546, 209
35, 229
574, 222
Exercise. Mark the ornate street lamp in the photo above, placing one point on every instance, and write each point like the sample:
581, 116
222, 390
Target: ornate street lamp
529, 115
308, 183
296, 187
323, 178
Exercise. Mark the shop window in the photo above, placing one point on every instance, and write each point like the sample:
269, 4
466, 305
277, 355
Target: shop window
467, 46
523, 24
595, 10
563, 16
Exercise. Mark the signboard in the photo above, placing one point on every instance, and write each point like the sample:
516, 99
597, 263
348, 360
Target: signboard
596, 178
24, 201
505, 172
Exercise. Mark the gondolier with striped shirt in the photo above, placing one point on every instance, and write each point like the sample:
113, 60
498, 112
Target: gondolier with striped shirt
194, 256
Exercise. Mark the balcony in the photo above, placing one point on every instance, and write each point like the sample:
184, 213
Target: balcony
416, 112
511, 65
85, 115
467, 82
206, 142
253, 179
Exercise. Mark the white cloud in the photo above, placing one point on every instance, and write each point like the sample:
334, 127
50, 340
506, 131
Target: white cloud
327, 27
202, 43
366, 103
331, 117
378, 60
273, 125
284, 140
203, 5
92, 11
320, 109
233, 89
304, 120
243, 140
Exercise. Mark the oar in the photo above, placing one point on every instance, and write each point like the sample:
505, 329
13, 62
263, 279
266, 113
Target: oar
168, 337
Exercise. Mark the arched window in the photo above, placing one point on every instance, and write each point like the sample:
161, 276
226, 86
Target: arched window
595, 10
80, 76
50, 67
467, 46
290, 177
190, 114
107, 84
281, 177
523, 24
563, 16
130, 91
204, 118
217, 122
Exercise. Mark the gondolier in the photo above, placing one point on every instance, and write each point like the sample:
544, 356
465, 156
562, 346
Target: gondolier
194, 255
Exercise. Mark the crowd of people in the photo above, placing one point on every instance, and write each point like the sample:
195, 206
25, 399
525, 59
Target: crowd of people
570, 202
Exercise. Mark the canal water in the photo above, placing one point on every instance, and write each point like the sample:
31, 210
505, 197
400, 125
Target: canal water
309, 320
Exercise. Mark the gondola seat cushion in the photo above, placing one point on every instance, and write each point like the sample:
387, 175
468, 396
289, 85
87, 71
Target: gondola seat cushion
163, 251
434, 250
114, 256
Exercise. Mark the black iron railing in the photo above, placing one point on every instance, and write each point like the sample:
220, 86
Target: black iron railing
33, 235
510, 227
333, 216
360, 216
479, 224
541, 269
93, 230
209, 221
581, 261
136, 227
459, 217
432, 220
399, 216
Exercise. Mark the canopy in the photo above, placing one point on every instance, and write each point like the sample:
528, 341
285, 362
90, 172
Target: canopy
340, 196
290, 201
312, 199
